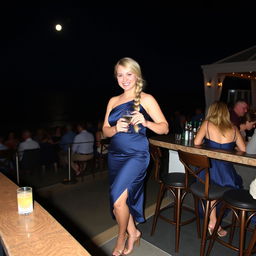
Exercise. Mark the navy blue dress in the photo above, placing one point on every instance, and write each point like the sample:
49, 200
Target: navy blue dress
223, 173
128, 159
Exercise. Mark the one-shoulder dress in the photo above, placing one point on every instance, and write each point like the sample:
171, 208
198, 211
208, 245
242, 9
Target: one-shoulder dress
128, 159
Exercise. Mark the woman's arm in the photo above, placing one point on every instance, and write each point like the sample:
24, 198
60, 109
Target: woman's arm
159, 124
121, 125
201, 134
240, 141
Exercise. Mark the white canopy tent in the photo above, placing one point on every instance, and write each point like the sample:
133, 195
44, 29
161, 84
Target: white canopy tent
241, 64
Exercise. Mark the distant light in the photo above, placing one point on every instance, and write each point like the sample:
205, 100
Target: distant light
58, 27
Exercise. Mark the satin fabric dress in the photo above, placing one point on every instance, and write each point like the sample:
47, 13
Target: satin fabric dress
128, 159
223, 173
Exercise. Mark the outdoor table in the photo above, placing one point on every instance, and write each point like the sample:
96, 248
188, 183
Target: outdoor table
35, 234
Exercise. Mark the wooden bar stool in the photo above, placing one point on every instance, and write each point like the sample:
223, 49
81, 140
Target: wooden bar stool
202, 189
243, 208
175, 183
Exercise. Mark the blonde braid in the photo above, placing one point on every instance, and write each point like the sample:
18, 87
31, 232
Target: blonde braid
136, 105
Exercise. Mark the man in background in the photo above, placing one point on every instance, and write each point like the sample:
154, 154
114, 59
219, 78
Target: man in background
27, 144
82, 148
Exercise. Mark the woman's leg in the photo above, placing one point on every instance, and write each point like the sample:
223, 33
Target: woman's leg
213, 220
121, 212
134, 236
213, 217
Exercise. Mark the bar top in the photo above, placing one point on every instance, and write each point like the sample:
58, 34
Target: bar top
168, 141
35, 234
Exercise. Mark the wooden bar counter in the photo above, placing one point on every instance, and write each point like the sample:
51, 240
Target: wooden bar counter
35, 234
168, 141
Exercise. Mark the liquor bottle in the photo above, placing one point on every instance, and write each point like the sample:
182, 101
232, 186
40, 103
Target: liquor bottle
186, 132
199, 124
190, 134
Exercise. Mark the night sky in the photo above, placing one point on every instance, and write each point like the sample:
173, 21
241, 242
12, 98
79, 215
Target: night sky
48, 75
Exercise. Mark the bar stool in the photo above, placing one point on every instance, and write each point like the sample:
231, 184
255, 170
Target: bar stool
175, 183
251, 244
243, 207
202, 189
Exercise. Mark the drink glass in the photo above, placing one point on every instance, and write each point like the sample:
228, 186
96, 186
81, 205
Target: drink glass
127, 115
177, 137
25, 200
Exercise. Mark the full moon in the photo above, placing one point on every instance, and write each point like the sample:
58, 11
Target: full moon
58, 27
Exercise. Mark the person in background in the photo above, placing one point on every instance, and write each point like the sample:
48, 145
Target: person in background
12, 141
99, 136
247, 125
128, 152
198, 115
66, 140
251, 145
237, 113
218, 132
2, 147
82, 148
2, 144
28, 143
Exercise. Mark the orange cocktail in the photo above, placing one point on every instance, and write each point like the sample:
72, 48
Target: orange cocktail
25, 200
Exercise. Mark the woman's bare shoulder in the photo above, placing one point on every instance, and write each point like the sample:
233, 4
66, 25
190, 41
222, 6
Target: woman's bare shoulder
147, 98
113, 101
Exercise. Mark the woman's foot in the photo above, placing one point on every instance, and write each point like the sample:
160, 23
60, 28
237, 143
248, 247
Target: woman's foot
221, 232
120, 244
132, 240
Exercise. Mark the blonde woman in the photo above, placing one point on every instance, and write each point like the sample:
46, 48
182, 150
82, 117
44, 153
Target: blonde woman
128, 155
218, 132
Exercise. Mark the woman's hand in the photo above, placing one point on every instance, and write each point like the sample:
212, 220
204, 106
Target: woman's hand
138, 118
122, 125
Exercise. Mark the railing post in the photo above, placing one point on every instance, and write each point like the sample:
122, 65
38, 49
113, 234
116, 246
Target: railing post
17, 167
69, 180
69, 162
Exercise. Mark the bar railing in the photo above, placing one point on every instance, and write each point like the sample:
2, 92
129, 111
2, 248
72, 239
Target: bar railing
17, 155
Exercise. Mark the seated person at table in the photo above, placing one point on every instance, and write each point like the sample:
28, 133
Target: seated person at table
82, 149
12, 141
251, 145
27, 144
218, 132
2, 147
247, 125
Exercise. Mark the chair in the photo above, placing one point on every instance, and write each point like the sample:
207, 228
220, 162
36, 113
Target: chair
85, 165
175, 183
251, 243
243, 207
101, 156
6, 158
205, 192
31, 159
48, 155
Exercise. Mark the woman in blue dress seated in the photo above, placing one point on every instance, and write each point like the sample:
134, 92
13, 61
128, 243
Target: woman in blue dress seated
128, 152
218, 132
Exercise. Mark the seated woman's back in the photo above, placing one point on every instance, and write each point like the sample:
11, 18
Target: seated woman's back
218, 128
215, 134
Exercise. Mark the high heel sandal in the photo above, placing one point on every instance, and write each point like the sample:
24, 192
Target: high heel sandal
135, 242
221, 232
117, 252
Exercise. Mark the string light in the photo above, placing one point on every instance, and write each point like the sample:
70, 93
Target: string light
209, 84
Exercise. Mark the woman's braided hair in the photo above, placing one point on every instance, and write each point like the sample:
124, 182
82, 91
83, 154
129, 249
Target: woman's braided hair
135, 68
